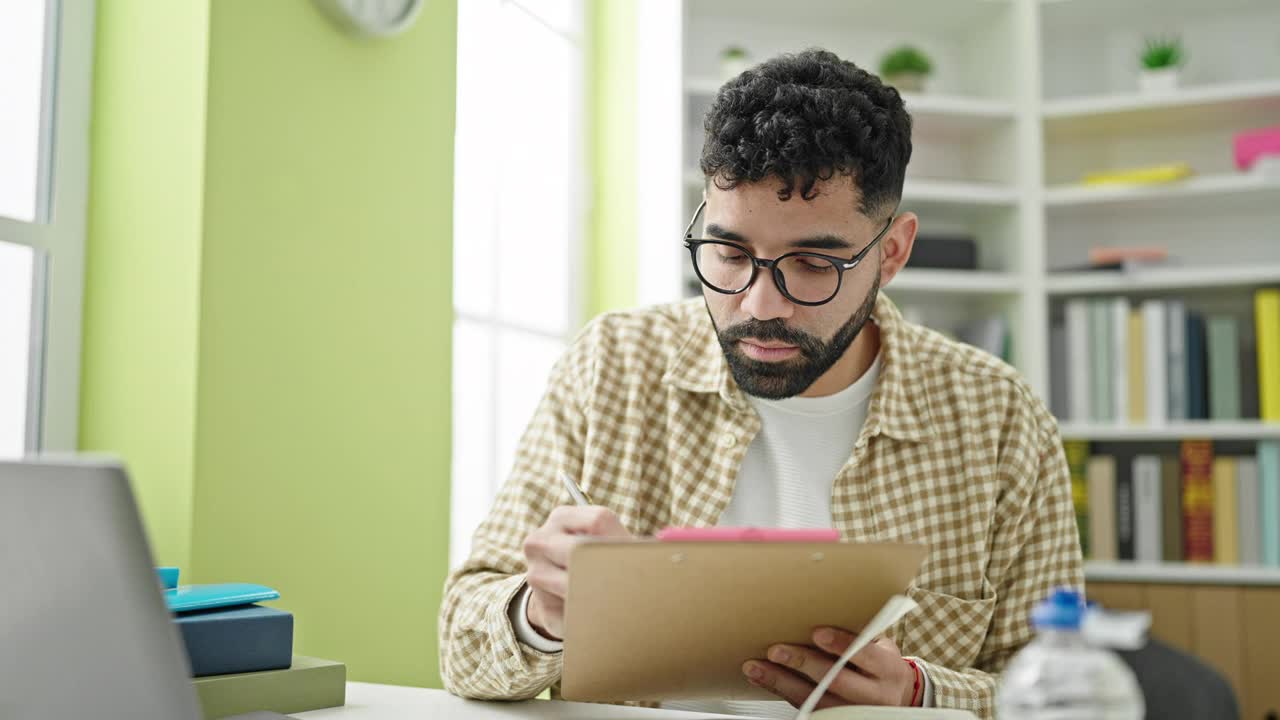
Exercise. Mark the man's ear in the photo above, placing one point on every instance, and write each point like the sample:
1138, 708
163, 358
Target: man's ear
895, 246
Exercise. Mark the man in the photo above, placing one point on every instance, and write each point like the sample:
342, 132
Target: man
791, 394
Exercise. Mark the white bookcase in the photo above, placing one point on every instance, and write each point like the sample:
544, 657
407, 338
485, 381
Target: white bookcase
1027, 96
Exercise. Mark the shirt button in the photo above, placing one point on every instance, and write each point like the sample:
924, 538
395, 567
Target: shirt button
728, 440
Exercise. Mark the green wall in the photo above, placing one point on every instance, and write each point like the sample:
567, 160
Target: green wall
324, 423
611, 236
268, 310
142, 274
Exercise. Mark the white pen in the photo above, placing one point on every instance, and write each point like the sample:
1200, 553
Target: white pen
575, 492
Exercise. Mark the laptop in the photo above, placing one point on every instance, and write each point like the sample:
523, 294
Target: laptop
84, 630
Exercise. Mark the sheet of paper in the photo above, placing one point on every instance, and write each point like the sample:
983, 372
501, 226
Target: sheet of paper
893, 610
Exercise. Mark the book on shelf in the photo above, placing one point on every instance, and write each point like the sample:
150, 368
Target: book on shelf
1077, 452
944, 252
1155, 354
1120, 359
1249, 403
1125, 512
1266, 313
1079, 359
1146, 175
1225, 526
1171, 509
1197, 385
1101, 407
1148, 524
1176, 372
1197, 500
1101, 475
1268, 456
1137, 401
1059, 380
1224, 368
1248, 517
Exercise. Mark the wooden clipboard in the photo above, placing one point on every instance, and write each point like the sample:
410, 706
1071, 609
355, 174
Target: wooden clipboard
651, 620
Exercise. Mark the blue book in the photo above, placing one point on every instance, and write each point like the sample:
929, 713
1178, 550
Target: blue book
205, 597
1197, 369
236, 640
1269, 500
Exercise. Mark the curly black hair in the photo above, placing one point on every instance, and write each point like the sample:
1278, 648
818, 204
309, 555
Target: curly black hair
806, 117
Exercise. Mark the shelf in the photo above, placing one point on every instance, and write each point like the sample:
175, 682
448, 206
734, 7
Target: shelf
703, 85
1100, 571
1174, 430
960, 282
1177, 108
1167, 278
932, 114
950, 192
1136, 195
926, 192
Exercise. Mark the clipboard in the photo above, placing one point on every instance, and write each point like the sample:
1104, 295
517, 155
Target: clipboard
648, 621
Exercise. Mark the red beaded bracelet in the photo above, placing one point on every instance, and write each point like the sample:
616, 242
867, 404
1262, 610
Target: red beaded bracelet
915, 689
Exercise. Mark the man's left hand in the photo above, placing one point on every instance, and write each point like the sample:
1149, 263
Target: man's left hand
876, 675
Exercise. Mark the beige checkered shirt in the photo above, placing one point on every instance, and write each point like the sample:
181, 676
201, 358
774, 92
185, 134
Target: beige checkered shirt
956, 452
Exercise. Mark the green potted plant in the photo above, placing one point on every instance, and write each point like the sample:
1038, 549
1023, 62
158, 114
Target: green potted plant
733, 60
906, 68
1162, 60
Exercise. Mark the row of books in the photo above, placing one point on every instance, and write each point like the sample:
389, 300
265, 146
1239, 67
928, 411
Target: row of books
1194, 507
1115, 361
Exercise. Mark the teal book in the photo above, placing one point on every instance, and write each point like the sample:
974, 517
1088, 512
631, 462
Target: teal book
1269, 500
1176, 374
1224, 368
309, 684
1101, 405
1197, 369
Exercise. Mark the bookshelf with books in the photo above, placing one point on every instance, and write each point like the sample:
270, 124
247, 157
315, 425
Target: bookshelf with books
1030, 97
1180, 506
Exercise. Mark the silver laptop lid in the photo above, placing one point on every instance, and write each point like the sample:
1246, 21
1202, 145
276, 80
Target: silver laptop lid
84, 631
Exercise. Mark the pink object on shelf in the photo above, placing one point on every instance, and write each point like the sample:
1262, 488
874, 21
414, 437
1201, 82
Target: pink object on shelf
747, 534
1253, 144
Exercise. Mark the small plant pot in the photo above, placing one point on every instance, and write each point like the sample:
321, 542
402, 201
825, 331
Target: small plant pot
1159, 81
907, 82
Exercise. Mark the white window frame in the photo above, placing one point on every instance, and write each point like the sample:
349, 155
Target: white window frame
58, 234
471, 498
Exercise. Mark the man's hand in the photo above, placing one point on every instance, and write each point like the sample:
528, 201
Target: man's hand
876, 675
546, 553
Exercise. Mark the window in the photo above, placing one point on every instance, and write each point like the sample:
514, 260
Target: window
20, 325
47, 49
518, 215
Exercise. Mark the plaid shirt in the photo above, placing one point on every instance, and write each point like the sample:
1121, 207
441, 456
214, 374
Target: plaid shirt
956, 452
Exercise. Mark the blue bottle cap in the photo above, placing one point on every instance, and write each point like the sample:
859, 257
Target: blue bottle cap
1063, 610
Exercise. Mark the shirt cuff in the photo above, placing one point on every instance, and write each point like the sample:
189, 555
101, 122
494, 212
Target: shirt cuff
927, 701
518, 612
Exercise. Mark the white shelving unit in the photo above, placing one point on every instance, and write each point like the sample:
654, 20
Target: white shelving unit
1027, 96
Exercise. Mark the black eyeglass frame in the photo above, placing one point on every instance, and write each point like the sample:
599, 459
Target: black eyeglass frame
839, 263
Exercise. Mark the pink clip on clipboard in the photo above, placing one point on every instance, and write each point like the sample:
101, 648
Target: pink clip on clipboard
747, 534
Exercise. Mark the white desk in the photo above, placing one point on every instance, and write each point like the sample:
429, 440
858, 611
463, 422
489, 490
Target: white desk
366, 701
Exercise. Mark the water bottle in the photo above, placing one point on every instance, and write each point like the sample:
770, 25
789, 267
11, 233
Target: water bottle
1061, 675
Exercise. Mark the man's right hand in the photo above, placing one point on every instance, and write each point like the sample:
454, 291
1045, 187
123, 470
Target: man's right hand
546, 553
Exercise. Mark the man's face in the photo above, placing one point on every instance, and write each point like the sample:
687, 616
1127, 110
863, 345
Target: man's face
777, 348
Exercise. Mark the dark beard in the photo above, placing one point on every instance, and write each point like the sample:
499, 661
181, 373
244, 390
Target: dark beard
788, 378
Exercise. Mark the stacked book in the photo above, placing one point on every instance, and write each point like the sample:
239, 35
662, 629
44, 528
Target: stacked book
1156, 361
1196, 506
241, 653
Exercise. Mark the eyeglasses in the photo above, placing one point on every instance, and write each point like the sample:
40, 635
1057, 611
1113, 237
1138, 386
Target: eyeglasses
804, 278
